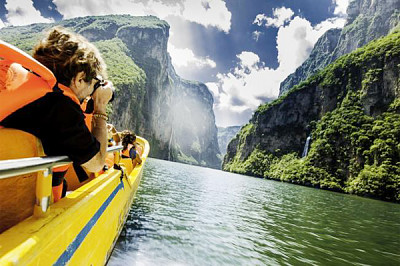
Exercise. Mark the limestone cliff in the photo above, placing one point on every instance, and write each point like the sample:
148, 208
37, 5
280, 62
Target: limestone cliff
367, 20
175, 115
179, 118
319, 58
225, 134
352, 111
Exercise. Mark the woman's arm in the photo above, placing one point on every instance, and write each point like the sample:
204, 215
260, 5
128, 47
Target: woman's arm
138, 158
99, 127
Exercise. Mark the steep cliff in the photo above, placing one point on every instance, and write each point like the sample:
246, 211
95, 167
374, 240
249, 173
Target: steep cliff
351, 111
178, 113
175, 115
225, 134
367, 20
319, 58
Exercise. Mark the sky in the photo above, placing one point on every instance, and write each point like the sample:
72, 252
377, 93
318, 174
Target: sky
241, 49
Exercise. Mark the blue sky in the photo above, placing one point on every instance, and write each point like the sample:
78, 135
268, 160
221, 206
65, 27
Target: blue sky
241, 49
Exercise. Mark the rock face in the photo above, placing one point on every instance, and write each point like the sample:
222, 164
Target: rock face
225, 134
348, 103
367, 20
283, 126
362, 87
178, 113
319, 58
173, 114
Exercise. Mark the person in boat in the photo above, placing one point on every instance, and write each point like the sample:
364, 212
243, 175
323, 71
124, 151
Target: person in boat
131, 149
113, 136
57, 118
113, 139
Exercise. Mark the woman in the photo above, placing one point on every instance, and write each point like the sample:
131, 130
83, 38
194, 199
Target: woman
131, 148
56, 117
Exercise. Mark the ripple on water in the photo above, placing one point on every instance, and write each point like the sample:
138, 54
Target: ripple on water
186, 215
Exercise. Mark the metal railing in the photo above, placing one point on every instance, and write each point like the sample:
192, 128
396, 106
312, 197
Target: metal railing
10, 168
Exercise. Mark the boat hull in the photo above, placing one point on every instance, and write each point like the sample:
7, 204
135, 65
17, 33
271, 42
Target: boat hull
80, 229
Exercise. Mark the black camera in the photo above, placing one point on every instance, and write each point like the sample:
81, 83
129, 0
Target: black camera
101, 82
90, 104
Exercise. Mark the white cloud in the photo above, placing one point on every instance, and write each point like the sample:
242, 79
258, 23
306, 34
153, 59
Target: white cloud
259, 20
210, 13
238, 93
22, 12
296, 40
182, 58
341, 7
213, 87
241, 91
281, 16
78, 8
248, 84
330, 23
256, 35
2, 24
248, 59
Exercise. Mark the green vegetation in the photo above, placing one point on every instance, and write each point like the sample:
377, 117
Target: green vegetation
102, 27
134, 49
22, 37
128, 79
312, 81
224, 136
351, 151
195, 147
122, 70
188, 159
235, 164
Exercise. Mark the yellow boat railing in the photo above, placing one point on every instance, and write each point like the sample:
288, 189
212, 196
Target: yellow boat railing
10, 168
44, 166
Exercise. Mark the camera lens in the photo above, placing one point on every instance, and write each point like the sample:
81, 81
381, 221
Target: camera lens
96, 86
101, 82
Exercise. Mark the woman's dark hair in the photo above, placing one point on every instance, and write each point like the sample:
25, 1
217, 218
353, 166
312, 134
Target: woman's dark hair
128, 137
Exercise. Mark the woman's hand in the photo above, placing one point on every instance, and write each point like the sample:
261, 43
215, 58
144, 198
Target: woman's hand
102, 96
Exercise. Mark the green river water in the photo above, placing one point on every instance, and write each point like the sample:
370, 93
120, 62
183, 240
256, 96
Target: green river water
188, 215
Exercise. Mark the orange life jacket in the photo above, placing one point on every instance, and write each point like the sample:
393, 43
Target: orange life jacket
139, 149
88, 117
24, 80
126, 152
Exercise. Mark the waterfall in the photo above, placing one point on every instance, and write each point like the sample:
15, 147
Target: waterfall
169, 144
306, 146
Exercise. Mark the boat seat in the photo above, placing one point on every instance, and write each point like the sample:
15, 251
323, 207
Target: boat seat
73, 181
17, 194
127, 163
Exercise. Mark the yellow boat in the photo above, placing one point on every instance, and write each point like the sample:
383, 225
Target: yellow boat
80, 229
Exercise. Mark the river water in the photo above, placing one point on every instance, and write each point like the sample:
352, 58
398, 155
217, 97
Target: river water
188, 215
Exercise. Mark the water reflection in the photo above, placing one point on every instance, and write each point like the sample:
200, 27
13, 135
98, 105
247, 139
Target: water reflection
185, 215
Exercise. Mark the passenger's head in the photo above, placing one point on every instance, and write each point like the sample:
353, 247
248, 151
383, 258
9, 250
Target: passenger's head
127, 138
73, 60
